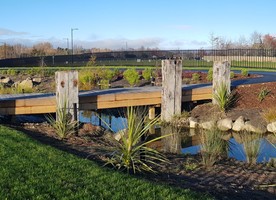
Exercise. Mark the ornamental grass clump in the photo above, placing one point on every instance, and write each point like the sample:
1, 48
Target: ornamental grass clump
132, 152
213, 147
251, 146
223, 98
63, 124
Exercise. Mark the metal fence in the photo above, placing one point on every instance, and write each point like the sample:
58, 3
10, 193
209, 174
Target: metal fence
256, 58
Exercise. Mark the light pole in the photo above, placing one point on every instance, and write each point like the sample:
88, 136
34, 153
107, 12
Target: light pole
72, 43
67, 40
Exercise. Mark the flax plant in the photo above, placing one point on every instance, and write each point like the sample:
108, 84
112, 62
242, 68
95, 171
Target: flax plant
63, 124
223, 98
133, 153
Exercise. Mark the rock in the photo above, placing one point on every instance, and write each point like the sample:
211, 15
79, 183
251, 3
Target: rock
37, 80
5, 80
193, 123
225, 124
238, 124
271, 127
118, 136
207, 125
26, 84
16, 84
248, 126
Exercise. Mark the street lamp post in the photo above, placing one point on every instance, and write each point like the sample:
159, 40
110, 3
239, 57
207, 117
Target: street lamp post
72, 43
67, 50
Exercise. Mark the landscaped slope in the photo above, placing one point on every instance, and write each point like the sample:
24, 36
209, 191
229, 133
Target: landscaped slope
31, 170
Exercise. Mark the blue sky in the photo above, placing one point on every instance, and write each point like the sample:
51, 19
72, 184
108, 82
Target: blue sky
166, 24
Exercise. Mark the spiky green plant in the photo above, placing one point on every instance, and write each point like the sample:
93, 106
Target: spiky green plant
251, 146
244, 72
63, 124
223, 98
132, 76
133, 153
210, 75
213, 147
263, 93
147, 73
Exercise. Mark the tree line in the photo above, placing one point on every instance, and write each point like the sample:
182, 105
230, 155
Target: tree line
255, 41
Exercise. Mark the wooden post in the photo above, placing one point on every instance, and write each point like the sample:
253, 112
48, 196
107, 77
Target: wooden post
171, 88
67, 92
221, 75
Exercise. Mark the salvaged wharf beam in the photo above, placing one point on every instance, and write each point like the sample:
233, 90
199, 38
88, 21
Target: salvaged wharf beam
94, 100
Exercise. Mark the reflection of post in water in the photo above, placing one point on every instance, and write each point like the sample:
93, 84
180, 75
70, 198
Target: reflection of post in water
172, 143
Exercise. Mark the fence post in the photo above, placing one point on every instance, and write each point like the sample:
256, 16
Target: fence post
67, 92
221, 75
171, 88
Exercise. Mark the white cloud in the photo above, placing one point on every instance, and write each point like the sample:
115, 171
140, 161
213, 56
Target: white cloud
7, 32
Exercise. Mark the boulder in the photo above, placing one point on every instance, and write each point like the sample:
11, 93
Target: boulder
238, 124
118, 136
193, 123
37, 80
225, 124
5, 80
26, 84
271, 127
207, 125
248, 126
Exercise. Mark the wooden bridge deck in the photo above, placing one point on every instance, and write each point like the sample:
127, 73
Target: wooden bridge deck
92, 100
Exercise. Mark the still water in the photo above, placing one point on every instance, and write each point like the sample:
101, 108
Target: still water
188, 142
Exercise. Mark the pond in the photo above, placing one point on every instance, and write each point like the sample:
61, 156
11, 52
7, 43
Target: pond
187, 142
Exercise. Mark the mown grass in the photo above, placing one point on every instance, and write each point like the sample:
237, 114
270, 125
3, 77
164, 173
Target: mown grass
31, 170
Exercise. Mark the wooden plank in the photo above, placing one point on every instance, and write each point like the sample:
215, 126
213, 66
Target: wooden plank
118, 104
188, 98
28, 110
28, 102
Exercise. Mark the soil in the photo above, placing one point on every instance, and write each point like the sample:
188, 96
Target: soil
228, 179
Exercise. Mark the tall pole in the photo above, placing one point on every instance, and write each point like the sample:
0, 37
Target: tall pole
67, 42
72, 43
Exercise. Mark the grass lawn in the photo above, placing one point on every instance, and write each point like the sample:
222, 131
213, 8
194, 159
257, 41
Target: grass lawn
31, 170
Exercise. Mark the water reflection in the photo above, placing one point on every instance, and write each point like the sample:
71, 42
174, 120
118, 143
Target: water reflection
184, 141
191, 145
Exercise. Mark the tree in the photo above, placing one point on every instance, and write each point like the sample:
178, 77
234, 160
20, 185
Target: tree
269, 41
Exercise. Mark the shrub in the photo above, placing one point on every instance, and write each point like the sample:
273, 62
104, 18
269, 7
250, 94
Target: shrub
232, 75
87, 79
244, 72
92, 61
132, 76
147, 74
63, 125
195, 77
269, 114
263, 93
132, 153
212, 146
223, 98
210, 75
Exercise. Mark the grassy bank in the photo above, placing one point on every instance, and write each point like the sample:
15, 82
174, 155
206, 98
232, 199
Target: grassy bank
31, 170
